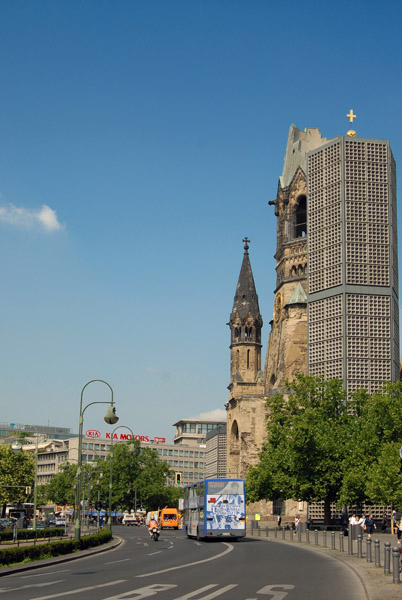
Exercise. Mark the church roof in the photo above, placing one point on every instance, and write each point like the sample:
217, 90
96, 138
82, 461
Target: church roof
299, 143
298, 296
246, 298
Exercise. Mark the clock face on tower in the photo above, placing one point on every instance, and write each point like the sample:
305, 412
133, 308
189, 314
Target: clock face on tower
278, 307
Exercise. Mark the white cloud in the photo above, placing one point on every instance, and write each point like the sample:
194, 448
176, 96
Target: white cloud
213, 415
28, 218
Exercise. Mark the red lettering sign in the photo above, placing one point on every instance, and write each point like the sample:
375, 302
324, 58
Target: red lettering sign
127, 436
92, 433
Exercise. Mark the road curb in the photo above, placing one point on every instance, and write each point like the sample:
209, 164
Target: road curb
37, 564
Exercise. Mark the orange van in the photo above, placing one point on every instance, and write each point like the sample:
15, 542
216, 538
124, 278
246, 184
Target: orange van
169, 517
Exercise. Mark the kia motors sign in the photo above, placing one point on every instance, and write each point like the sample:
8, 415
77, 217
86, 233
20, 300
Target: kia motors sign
93, 433
127, 436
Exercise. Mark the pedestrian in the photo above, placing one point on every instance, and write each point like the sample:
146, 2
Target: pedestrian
353, 520
279, 520
370, 525
297, 522
399, 531
384, 523
362, 523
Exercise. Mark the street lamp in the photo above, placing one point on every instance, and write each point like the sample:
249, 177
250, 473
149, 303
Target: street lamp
109, 522
16, 448
111, 419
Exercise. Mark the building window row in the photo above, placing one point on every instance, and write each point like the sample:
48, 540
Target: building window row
88, 457
90, 446
190, 453
186, 464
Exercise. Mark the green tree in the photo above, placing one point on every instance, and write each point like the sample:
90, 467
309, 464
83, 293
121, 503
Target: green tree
308, 434
61, 488
138, 474
372, 466
17, 473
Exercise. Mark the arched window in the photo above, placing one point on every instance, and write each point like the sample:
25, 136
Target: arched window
301, 217
235, 431
248, 332
273, 379
248, 359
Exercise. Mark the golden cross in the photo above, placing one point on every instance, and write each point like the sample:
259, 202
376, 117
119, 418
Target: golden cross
351, 116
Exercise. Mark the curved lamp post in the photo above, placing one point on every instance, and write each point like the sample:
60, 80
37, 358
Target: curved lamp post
16, 448
109, 521
111, 419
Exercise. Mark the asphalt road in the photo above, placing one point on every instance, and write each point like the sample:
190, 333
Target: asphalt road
176, 568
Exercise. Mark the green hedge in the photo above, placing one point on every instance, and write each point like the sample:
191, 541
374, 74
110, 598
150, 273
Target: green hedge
10, 556
29, 534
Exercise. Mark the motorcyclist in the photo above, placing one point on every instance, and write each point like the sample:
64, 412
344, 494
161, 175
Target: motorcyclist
151, 525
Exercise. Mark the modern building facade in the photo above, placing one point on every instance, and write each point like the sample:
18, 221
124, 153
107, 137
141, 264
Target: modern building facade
57, 433
215, 446
189, 461
353, 310
193, 432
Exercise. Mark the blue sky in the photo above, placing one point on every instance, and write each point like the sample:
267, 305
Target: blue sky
140, 141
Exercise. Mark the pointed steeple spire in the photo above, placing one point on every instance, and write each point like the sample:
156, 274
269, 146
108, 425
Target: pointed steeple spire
246, 298
245, 326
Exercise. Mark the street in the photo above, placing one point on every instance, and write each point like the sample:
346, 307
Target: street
177, 568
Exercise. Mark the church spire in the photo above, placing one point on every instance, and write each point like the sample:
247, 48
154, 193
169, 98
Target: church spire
246, 298
245, 326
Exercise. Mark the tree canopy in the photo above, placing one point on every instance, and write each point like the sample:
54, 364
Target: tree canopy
321, 448
17, 473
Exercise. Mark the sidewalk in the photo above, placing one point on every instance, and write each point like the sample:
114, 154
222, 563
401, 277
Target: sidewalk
378, 586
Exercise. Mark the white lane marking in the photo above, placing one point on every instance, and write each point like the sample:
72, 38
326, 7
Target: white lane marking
208, 596
117, 561
79, 590
277, 595
198, 543
197, 562
42, 574
29, 586
152, 553
196, 592
144, 592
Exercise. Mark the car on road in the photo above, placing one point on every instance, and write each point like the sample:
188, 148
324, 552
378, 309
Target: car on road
39, 525
60, 522
6, 523
129, 519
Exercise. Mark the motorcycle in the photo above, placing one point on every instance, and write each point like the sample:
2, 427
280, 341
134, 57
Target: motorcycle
155, 533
